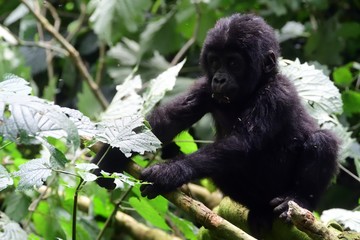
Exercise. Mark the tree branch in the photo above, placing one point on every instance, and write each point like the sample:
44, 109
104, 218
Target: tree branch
74, 54
305, 221
204, 216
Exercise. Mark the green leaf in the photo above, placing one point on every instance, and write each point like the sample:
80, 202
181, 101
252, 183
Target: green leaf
342, 76
18, 13
148, 213
46, 222
5, 179
351, 101
17, 205
322, 39
26, 118
129, 134
161, 204
85, 127
102, 205
147, 36
160, 85
13, 84
83, 169
313, 86
349, 219
102, 18
186, 142
57, 158
187, 228
126, 102
12, 61
117, 17
10, 230
86, 166
33, 174
120, 179
125, 52
349, 29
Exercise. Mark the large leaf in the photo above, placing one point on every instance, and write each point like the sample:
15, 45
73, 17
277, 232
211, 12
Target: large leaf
313, 85
350, 219
83, 169
117, 16
147, 36
186, 142
129, 134
26, 117
85, 127
148, 212
125, 52
5, 179
290, 30
126, 101
160, 85
14, 85
10, 230
33, 174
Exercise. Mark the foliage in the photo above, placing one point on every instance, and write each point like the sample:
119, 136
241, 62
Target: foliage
130, 49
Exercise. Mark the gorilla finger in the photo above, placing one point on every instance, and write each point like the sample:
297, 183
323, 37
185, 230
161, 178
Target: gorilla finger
283, 215
283, 207
153, 194
149, 191
277, 201
143, 187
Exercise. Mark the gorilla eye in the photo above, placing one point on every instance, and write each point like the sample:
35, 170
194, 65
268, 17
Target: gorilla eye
234, 63
213, 62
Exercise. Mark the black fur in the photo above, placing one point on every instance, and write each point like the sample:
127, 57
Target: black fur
268, 150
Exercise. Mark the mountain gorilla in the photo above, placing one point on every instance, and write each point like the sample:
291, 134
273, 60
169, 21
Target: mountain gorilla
268, 150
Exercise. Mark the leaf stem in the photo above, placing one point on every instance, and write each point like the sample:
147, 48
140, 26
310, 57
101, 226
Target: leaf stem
74, 220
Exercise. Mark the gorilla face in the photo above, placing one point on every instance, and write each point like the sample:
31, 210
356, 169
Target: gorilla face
224, 71
238, 55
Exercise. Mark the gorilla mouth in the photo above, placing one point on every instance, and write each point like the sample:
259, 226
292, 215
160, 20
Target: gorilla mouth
221, 98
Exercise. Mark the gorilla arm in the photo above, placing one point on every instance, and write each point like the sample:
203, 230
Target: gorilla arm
170, 119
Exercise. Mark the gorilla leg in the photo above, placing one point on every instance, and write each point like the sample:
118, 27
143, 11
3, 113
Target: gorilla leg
315, 169
319, 165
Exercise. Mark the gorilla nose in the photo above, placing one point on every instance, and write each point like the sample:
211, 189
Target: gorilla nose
220, 80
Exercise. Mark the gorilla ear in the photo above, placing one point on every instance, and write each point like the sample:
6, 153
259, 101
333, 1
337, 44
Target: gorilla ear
269, 61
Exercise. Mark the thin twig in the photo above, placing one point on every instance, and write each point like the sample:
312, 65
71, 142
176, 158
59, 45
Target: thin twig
349, 173
101, 63
54, 14
75, 208
45, 45
74, 54
48, 53
80, 20
192, 40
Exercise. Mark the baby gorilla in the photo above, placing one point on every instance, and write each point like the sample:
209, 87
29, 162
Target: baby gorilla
268, 150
